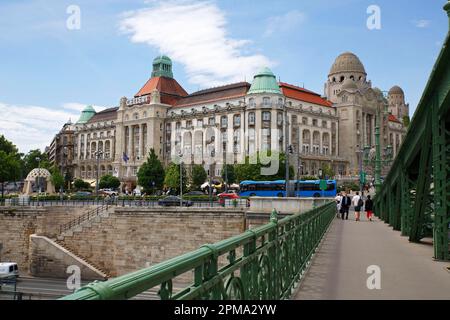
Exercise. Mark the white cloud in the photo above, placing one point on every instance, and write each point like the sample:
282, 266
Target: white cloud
422, 23
33, 127
284, 23
195, 35
80, 107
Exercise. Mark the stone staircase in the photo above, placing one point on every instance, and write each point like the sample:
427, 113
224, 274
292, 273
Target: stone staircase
92, 218
84, 221
93, 266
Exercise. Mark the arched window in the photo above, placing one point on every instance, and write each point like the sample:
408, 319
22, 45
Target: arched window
251, 103
136, 116
237, 120
266, 102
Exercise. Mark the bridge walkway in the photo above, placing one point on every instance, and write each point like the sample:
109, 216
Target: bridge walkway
339, 269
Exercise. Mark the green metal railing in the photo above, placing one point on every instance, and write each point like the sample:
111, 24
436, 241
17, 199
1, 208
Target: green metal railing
262, 263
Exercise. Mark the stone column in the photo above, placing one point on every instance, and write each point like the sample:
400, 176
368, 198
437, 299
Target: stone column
141, 141
85, 146
130, 142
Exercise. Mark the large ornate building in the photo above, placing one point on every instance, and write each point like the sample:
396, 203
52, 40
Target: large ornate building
225, 124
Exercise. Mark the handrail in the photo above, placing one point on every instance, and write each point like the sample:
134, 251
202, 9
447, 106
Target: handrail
262, 263
85, 217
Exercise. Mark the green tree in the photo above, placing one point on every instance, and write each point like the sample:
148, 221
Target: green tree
79, 184
57, 179
150, 172
198, 176
7, 146
9, 168
108, 181
248, 171
31, 162
327, 171
406, 121
230, 175
172, 178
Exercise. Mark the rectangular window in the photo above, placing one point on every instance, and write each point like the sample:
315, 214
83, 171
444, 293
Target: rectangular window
237, 120
212, 121
266, 115
266, 102
304, 120
251, 118
314, 122
199, 123
224, 122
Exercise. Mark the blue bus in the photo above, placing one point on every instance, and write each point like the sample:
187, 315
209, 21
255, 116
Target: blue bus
277, 188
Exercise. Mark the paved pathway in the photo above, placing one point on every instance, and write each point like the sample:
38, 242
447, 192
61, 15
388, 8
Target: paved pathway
339, 269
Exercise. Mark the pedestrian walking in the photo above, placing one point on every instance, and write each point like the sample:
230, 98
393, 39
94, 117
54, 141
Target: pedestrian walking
345, 206
368, 206
338, 200
358, 203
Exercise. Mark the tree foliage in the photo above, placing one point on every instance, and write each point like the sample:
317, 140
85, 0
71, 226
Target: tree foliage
327, 171
406, 121
57, 178
30, 161
109, 181
229, 175
9, 168
150, 172
198, 176
79, 184
254, 171
172, 179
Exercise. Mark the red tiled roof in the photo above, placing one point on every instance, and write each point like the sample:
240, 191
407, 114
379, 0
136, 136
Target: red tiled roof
171, 91
303, 94
105, 115
393, 118
230, 91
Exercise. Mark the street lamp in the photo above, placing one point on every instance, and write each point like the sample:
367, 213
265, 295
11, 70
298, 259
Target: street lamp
97, 154
378, 162
38, 159
213, 154
180, 155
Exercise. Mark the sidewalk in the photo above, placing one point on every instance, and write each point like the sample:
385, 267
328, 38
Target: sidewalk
339, 269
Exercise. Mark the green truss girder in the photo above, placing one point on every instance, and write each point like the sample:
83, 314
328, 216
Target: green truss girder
415, 196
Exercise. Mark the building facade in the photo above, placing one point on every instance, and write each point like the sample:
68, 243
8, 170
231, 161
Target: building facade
61, 152
224, 125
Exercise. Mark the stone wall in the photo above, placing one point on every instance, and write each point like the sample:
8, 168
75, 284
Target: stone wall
54, 217
133, 238
48, 259
16, 226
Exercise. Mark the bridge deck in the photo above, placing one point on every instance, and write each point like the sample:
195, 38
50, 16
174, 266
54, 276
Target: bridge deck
339, 270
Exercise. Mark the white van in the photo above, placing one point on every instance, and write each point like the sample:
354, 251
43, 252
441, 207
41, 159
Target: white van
9, 270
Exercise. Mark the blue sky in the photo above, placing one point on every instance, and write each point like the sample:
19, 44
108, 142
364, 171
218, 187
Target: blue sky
50, 72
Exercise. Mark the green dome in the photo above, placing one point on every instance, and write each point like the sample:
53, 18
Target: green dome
162, 67
86, 115
265, 82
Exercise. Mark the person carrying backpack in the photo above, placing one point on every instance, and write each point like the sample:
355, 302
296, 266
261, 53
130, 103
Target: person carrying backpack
358, 203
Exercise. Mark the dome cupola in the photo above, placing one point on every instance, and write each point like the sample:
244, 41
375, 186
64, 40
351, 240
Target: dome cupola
86, 115
264, 82
347, 62
162, 67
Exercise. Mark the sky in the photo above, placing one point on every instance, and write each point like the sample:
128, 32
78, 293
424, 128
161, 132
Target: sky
58, 56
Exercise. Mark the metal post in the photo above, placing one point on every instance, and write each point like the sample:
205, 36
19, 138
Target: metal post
181, 183
377, 153
286, 133
97, 154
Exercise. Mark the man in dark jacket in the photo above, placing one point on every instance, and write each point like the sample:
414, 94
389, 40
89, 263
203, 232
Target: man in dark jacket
345, 206
368, 206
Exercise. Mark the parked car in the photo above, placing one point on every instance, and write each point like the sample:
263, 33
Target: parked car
109, 192
174, 201
83, 193
9, 270
195, 193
